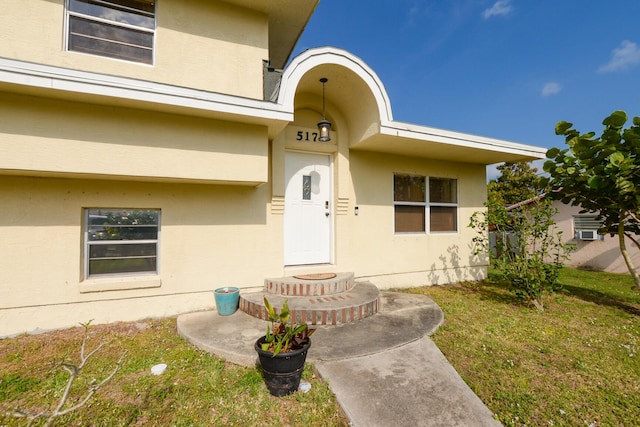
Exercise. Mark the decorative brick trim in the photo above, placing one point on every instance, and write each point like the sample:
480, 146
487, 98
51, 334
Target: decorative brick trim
290, 286
319, 315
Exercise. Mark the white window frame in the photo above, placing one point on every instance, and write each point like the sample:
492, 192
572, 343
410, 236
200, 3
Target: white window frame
69, 14
89, 243
427, 204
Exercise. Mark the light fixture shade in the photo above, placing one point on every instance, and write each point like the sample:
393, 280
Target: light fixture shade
324, 126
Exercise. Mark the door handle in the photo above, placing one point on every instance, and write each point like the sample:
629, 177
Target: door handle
327, 214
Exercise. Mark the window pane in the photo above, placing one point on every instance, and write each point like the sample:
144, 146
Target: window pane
144, 232
408, 188
100, 31
409, 219
121, 251
129, 265
443, 190
121, 241
112, 50
306, 187
115, 42
138, 13
443, 218
123, 216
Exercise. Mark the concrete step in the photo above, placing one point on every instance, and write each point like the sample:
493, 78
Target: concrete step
310, 284
361, 301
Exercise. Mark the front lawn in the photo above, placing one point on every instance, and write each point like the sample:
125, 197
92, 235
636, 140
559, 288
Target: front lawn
197, 389
575, 364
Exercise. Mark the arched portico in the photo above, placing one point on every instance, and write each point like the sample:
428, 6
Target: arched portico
353, 90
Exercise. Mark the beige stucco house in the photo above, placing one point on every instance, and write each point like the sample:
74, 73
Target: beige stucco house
592, 251
151, 151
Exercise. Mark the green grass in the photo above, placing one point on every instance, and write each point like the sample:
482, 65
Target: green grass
575, 364
197, 389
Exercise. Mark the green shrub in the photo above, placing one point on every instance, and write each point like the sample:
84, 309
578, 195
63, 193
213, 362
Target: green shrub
527, 247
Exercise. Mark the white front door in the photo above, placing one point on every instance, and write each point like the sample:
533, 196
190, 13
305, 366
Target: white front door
308, 209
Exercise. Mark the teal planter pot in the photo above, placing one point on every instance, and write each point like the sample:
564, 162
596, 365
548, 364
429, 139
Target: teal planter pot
227, 300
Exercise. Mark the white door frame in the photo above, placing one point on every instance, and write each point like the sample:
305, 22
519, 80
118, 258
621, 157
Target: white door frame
308, 224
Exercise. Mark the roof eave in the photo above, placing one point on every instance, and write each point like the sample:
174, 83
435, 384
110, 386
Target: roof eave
73, 85
427, 142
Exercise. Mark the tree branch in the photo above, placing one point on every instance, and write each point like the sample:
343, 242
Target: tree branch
74, 371
93, 389
635, 242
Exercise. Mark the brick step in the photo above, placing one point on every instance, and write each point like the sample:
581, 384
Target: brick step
309, 285
361, 301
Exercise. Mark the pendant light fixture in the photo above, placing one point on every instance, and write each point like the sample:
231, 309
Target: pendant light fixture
324, 125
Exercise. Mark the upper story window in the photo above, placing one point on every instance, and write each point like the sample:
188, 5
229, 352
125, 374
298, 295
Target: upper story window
121, 29
121, 241
425, 203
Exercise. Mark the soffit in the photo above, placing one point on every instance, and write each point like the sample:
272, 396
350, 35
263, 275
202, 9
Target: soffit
343, 90
447, 146
287, 20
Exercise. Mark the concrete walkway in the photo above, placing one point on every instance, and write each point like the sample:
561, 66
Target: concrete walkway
384, 370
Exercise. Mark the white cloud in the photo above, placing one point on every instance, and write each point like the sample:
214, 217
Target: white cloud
623, 57
499, 8
551, 88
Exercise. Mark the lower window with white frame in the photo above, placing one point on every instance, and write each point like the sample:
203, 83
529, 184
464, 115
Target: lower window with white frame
121, 241
424, 204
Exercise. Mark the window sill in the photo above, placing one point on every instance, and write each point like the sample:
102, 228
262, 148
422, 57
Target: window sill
119, 283
424, 233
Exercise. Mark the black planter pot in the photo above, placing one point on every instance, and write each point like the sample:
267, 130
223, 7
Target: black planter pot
282, 373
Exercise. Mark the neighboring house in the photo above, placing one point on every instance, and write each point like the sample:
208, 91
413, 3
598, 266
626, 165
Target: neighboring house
592, 251
151, 151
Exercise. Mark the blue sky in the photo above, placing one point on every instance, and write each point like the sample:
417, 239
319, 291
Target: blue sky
507, 69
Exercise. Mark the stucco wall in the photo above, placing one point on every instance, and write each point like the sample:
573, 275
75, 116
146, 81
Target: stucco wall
211, 236
45, 136
390, 259
599, 255
366, 243
201, 44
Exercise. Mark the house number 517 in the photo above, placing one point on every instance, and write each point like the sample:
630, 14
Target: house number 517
306, 136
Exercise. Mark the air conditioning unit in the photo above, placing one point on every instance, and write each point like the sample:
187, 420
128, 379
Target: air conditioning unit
588, 234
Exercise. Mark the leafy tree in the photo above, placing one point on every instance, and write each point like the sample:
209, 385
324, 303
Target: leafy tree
602, 175
527, 249
518, 181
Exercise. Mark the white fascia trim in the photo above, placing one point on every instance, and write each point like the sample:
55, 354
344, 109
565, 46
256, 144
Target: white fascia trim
424, 133
50, 77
